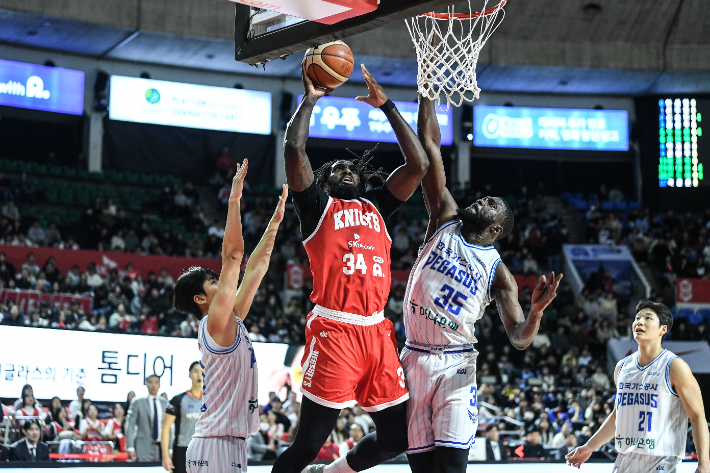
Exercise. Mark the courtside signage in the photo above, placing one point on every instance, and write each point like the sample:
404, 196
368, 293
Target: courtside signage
52, 89
188, 105
108, 365
550, 128
342, 118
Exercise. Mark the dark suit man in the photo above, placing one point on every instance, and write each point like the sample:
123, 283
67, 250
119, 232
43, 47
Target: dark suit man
532, 447
570, 444
495, 450
30, 449
4, 453
143, 424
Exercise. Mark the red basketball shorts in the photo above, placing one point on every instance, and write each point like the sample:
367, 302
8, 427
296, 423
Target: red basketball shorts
350, 359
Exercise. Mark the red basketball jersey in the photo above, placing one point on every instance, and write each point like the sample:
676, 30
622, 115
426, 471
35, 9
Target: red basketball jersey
349, 254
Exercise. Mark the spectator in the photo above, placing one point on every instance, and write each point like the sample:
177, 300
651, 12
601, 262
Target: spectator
14, 317
257, 445
30, 265
10, 211
58, 424
165, 279
76, 405
93, 279
225, 162
90, 428
4, 453
356, 434
329, 451
561, 436
254, 334
600, 379
37, 234
547, 433
532, 447
30, 449
569, 445
495, 448
26, 389
530, 265
114, 428
145, 415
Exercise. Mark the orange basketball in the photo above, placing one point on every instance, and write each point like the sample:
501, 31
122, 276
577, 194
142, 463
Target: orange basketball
330, 64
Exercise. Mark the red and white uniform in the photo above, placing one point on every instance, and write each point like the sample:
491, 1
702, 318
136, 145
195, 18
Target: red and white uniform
351, 351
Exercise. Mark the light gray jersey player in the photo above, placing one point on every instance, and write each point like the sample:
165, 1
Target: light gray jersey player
456, 275
229, 401
656, 394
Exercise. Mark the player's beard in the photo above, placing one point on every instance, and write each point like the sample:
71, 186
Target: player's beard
345, 192
476, 223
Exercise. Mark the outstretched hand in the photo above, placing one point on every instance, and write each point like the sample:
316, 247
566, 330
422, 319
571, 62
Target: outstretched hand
281, 206
310, 88
578, 456
545, 292
376, 95
238, 180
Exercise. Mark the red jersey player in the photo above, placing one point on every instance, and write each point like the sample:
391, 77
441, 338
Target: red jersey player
351, 353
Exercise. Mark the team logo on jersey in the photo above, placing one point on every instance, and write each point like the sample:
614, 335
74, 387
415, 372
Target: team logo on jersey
354, 217
654, 373
253, 405
324, 334
377, 259
461, 371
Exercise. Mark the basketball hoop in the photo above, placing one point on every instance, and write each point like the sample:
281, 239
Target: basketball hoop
448, 45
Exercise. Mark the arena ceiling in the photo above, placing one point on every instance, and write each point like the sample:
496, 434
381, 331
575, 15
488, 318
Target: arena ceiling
627, 47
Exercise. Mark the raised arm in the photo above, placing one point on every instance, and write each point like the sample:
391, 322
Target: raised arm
259, 260
520, 330
405, 179
686, 386
299, 174
221, 323
437, 198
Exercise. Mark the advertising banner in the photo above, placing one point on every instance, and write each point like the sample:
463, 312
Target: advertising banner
28, 301
106, 260
690, 292
696, 354
189, 105
109, 365
550, 128
588, 259
341, 118
41, 87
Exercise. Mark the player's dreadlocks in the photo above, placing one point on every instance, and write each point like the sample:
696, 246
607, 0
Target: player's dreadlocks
365, 170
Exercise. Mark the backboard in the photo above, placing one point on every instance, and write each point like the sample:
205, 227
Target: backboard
261, 35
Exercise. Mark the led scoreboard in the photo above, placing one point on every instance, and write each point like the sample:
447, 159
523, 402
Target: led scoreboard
681, 147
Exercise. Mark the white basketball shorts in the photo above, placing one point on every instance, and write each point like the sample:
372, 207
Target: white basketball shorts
442, 409
217, 455
640, 463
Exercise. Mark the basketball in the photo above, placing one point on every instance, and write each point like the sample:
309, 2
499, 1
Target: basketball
330, 64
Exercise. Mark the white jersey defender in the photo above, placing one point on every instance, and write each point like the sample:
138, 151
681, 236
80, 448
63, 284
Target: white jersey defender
448, 290
651, 423
230, 408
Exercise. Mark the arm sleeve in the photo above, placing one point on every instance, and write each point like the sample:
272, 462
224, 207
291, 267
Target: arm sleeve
310, 205
385, 202
174, 406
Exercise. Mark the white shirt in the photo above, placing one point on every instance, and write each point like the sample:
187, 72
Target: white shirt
32, 449
74, 408
152, 400
496, 450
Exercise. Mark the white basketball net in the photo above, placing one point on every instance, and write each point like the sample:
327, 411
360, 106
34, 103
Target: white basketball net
449, 65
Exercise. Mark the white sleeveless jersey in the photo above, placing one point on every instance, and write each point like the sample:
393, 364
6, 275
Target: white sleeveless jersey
229, 393
449, 288
650, 418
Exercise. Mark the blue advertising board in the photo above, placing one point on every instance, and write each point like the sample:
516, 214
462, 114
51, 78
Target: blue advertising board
342, 118
550, 128
41, 87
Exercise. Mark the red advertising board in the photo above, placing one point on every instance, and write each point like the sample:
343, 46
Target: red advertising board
31, 300
106, 260
692, 291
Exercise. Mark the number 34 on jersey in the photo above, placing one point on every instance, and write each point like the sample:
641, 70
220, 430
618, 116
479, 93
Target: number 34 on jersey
356, 262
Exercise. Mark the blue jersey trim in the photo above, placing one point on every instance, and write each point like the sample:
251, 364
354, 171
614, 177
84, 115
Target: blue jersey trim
438, 230
225, 351
668, 377
451, 442
408, 347
655, 359
490, 278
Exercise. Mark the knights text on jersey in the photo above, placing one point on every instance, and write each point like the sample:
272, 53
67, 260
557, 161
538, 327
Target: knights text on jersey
650, 418
349, 254
449, 288
230, 404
